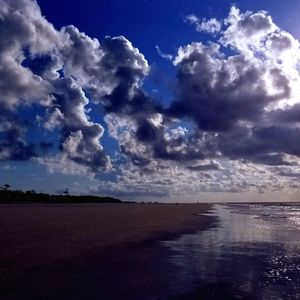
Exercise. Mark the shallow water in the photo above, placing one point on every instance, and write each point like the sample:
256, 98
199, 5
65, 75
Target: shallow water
253, 254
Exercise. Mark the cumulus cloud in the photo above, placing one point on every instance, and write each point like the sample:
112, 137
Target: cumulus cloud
206, 25
233, 113
244, 107
22, 27
79, 136
102, 68
55, 70
239, 99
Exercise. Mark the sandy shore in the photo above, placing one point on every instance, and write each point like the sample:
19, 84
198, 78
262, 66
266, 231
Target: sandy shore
51, 244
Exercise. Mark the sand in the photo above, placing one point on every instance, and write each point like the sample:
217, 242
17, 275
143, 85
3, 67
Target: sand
41, 243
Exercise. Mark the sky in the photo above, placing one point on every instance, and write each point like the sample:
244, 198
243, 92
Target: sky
151, 100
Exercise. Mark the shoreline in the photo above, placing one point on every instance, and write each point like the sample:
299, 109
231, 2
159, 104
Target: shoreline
58, 251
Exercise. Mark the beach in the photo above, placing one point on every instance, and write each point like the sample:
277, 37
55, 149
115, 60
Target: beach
150, 251
88, 251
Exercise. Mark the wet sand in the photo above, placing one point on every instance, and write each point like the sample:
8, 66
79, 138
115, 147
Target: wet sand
102, 251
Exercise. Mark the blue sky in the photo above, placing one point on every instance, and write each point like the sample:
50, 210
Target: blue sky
149, 23
175, 109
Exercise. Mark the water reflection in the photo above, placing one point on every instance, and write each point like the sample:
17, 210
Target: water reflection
253, 254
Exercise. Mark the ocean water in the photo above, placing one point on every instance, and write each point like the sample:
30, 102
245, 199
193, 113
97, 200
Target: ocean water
254, 253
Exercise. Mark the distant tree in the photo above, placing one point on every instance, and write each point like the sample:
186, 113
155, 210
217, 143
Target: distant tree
6, 187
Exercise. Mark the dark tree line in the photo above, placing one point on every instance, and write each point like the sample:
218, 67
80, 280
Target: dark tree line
31, 196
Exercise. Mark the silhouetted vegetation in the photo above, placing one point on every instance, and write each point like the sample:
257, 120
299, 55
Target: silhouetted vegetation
8, 196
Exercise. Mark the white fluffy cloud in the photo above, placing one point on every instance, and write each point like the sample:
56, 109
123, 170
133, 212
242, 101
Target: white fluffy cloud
54, 69
233, 114
243, 107
206, 25
236, 97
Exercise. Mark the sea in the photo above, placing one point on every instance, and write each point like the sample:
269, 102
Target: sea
252, 253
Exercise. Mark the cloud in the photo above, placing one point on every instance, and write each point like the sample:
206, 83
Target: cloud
102, 68
219, 92
12, 142
22, 27
239, 100
79, 136
212, 165
233, 114
163, 55
240, 107
62, 72
211, 26
153, 137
